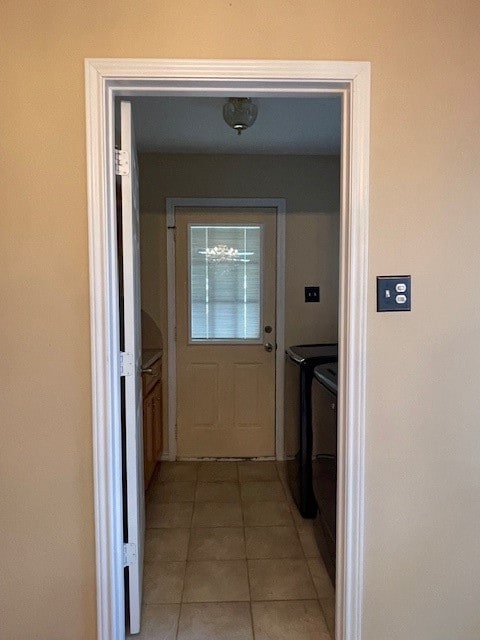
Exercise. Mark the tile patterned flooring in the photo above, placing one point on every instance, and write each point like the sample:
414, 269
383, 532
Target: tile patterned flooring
228, 557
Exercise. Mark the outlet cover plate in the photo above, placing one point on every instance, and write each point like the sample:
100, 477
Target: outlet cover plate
394, 293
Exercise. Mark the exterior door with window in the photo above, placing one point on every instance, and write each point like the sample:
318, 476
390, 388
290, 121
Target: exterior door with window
225, 309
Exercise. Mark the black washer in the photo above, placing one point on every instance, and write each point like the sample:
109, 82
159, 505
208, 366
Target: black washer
300, 363
324, 461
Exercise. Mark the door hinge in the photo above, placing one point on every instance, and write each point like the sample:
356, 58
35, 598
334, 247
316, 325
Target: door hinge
129, 554
122, 163
126, 364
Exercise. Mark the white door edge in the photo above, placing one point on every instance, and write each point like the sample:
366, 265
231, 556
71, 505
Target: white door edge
135, 490
107, 78
279, 204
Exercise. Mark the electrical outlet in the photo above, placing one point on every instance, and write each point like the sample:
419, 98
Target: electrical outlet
312, 294
394, 293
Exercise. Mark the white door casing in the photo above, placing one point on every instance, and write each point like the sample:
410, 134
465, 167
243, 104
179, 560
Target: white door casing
135, 498
107, 79
279, 204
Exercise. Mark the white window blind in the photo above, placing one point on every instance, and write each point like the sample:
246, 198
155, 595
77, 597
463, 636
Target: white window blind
225, 282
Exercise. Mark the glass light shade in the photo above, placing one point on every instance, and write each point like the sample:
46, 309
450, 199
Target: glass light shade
239, 113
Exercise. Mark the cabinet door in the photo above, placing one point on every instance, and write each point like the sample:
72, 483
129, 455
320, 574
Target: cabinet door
148, 435
158, 423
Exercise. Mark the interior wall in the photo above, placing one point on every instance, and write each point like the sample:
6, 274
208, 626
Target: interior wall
311, 186
422, 449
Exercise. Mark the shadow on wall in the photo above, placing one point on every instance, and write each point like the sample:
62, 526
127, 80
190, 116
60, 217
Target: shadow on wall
151, 334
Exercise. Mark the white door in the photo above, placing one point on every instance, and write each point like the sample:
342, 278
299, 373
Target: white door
132, 390
225, 310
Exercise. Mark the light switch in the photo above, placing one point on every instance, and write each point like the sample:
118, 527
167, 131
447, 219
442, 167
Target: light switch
393, 293
312, 294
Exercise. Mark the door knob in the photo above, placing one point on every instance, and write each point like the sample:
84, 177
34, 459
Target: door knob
149, 371
268, 346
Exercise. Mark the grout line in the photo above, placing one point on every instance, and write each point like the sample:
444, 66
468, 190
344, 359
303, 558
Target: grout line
238, 602
246, 565
322, 609
178, 621
188, 549
249, 587
288, 600
312, 579
232, 601
157, 604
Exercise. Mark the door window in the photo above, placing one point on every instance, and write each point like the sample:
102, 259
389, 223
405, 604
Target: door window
225, 285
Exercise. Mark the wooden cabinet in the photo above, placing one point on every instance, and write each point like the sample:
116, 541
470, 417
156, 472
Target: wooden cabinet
152, 417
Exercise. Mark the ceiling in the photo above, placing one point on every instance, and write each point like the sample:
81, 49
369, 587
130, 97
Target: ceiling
310, 126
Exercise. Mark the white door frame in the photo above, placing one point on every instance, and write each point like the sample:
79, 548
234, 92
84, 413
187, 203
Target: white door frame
275, 203
109, 78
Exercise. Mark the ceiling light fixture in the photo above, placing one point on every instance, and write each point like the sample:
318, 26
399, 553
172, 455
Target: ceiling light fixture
239, 113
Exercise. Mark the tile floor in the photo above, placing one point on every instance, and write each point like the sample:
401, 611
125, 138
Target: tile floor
228, 557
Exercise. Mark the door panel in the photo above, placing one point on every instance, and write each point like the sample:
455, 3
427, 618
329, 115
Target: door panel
203, 403
245, 394
135, 504
225, 296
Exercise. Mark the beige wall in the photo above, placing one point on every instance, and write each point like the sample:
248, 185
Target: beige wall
422, 558
311, 186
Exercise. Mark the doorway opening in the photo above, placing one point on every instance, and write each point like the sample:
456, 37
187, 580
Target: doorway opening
109, 79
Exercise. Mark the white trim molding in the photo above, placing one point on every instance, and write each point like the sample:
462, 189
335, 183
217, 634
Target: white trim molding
279, 204
107, 79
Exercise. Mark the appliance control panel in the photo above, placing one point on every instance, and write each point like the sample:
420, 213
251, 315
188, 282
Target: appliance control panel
394, 293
